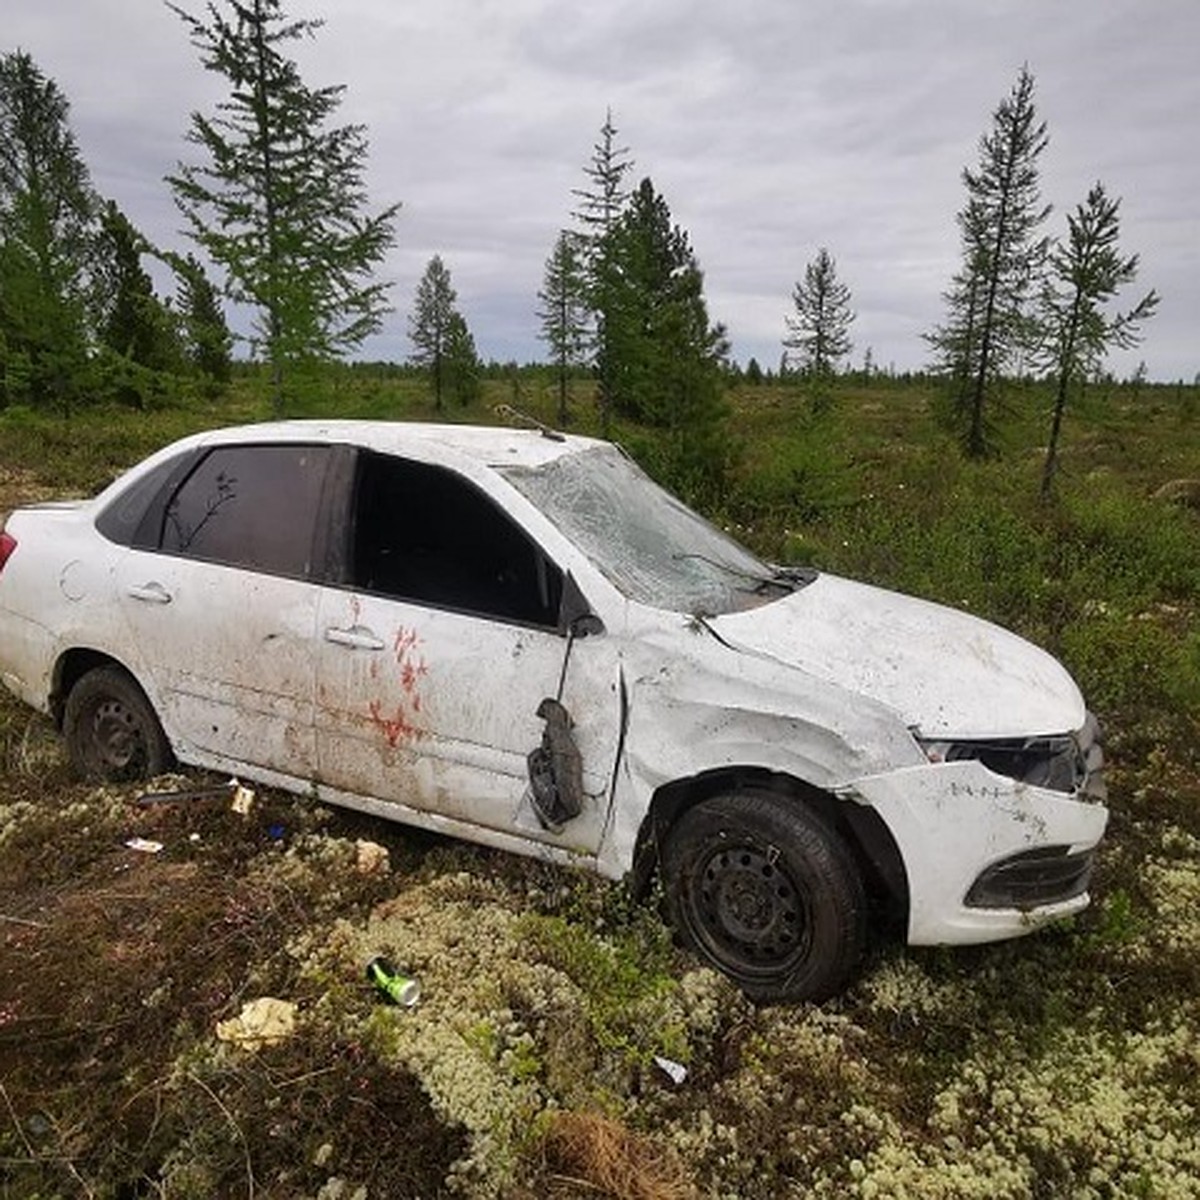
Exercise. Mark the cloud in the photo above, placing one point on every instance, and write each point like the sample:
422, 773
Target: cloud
771, 129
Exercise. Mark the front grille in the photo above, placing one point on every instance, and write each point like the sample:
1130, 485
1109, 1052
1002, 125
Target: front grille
1048, 875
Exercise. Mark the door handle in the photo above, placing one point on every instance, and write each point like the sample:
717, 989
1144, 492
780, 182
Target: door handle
356, 638
153, 593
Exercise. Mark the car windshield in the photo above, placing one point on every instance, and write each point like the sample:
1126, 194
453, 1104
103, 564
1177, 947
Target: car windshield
650, 545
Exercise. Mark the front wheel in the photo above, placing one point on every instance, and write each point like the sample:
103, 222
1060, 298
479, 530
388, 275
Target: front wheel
111, 730
768, 893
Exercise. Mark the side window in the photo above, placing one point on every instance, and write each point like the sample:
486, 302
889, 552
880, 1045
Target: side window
250, 506
423, 533
122, 517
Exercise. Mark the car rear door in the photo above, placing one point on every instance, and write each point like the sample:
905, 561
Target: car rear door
221, 605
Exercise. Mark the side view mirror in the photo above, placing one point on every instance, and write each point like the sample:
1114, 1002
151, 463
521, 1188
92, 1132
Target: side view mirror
575, 614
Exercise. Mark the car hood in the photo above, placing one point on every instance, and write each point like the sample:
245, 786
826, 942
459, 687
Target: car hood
944, 672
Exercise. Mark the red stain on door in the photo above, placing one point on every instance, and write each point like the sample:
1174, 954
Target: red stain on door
396, 727
400, 725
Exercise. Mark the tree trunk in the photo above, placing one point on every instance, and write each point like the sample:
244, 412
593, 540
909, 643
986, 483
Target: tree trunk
1060, 398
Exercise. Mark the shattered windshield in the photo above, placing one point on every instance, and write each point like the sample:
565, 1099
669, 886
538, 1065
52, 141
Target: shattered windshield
649, 544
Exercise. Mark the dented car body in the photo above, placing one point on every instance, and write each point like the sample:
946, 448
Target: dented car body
519, 639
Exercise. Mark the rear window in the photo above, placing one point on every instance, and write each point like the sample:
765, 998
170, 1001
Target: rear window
121, 518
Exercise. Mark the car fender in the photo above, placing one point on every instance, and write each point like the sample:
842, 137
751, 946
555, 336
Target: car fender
696, 706
75, 655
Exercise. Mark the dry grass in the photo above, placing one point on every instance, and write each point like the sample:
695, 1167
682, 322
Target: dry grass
586, 1154
115, 968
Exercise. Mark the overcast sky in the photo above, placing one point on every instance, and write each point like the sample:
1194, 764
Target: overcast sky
772, 128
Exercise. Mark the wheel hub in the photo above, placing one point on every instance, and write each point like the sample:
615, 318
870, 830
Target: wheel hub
743, 901
116, 732
749, 904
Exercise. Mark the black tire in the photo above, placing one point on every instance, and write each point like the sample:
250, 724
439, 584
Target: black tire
112, 733
768, 893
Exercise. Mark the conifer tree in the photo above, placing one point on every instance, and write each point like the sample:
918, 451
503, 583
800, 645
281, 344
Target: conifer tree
462, 366
1085, 273
207, 339
988, 319
132, 322
601, 203
818, 331
47, 227
564, 312
604, 199
279, 200
436, 328
660, 330
662, 356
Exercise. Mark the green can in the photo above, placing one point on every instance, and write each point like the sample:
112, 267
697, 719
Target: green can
397, 987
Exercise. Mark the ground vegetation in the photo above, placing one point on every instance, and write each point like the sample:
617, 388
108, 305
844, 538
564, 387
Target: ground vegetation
1063, 1064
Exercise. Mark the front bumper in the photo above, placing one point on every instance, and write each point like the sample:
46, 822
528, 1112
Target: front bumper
986, 857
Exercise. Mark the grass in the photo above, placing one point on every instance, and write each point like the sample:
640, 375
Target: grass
1059, 1065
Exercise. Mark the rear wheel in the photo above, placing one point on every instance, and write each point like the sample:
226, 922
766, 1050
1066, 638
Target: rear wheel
768, 893
111, 730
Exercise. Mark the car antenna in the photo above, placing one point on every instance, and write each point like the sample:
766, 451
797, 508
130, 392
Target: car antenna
516, 417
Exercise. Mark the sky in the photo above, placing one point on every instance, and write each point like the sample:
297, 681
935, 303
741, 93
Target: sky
771, 127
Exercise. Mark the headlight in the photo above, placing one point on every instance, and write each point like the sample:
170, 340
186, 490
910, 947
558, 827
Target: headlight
1062, 763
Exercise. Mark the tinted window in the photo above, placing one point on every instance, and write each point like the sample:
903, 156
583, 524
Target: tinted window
426, 534
122, 516
250, 506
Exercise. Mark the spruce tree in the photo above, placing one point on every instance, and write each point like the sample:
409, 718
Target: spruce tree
564, 312
988, 321
47, 227
818, 331
604, 199
431, 325
132, 322
207, 339
279, 200
601, 203
1086, 272
663, 357
462, 366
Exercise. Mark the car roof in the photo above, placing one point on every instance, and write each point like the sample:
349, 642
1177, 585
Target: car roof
486, 445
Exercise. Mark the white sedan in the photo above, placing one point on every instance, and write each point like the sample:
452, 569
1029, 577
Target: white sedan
517, 638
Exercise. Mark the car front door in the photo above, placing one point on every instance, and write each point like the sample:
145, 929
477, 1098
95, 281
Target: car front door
437, 650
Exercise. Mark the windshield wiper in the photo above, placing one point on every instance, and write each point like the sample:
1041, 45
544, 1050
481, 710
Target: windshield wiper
778, 578
800, 576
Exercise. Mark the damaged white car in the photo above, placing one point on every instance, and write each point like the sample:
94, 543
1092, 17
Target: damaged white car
520, 639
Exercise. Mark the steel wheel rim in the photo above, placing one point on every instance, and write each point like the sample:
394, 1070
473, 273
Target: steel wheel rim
118, 740
748, 910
